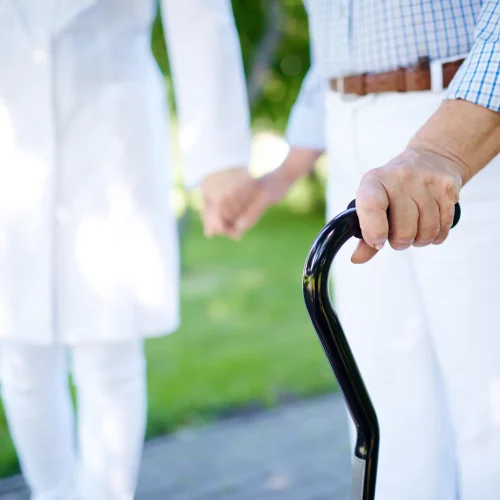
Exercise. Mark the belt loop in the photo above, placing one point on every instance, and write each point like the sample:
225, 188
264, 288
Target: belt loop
341, 88
340, 85
363, 90
437, 76
437, 71
401, 79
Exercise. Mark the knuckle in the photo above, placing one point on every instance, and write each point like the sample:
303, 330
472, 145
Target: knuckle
406, 174
373, 173
425, 239
373, 237
371, 176
449, 189
443, 185
371, 195
429, 232
367, 202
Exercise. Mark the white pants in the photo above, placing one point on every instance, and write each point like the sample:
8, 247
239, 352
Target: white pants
102, 461
424, 323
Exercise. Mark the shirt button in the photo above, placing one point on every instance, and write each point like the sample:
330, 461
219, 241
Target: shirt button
39, 56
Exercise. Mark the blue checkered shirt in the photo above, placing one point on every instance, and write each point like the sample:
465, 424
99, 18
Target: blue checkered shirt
369, 36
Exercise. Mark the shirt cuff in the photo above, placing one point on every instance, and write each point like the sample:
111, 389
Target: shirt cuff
478, 79
306, 128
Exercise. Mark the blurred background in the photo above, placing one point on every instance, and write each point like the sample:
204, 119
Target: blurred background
246, 342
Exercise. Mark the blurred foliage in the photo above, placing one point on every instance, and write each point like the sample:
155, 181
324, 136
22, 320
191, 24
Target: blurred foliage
283, 75
286, 69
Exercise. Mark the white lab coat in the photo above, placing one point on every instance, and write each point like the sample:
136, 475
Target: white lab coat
88, 239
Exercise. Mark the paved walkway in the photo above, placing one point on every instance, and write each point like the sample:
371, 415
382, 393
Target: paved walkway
295, 452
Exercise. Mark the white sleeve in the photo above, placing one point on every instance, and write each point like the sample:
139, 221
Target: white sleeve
306, 124
209, 84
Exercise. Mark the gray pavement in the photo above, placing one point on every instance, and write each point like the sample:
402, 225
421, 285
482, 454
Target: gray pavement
295, 452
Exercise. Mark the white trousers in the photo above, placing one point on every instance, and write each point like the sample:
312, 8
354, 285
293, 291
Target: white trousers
100, 461
424, 324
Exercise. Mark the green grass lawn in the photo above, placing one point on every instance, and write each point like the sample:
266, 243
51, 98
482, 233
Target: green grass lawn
245, 340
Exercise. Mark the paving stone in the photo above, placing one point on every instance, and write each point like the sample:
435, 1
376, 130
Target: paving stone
295, 452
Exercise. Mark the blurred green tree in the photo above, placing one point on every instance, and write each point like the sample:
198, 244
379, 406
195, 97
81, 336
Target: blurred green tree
275, 47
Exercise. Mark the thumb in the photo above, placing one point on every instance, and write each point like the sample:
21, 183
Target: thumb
363, 253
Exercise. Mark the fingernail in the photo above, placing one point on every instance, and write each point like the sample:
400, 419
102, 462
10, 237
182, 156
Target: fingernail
379, 245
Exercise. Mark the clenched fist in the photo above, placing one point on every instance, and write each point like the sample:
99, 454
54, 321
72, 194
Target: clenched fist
409, 201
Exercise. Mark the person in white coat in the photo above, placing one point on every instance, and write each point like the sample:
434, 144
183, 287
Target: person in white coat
88, 237
405, 99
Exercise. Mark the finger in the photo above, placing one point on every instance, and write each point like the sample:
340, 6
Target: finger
233, 204
429, 219
222, 227
213, 224
216, 224
372, 203
446, 215
230, 230
252, 213
363, 253
446, 193
403, 221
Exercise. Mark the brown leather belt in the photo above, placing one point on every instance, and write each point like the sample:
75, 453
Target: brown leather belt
415, 78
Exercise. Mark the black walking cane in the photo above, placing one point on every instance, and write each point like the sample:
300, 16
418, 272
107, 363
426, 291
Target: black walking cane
332, 337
